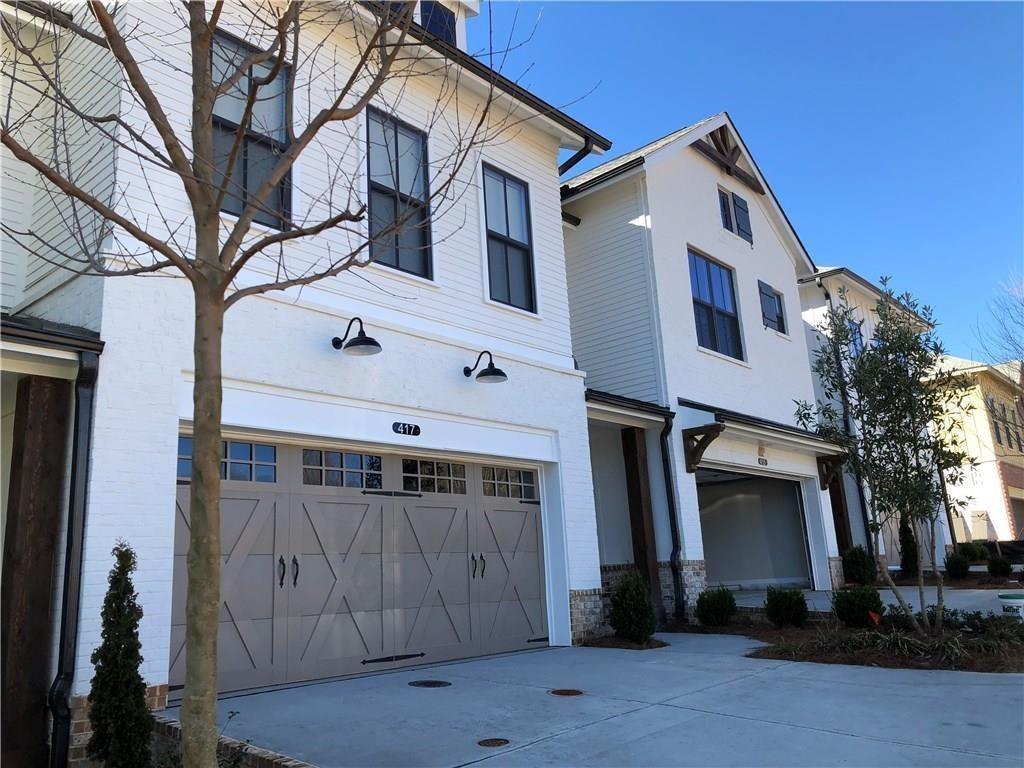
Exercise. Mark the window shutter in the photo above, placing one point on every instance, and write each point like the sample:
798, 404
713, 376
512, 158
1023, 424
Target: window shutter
742, 219
723, 204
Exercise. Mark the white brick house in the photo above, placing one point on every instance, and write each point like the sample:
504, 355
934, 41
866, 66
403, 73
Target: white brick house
398, 461
683, 282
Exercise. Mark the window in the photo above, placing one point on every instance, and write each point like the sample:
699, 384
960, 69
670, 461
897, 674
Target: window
714, 306
771, 307
509, 483
399, 215
433, 476
735, 215
509, 253
438, 20
1013, 430
338, 469
263, 137
856, 337
245, 462
995, 419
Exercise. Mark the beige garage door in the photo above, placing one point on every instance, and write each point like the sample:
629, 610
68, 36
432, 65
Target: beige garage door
336, 562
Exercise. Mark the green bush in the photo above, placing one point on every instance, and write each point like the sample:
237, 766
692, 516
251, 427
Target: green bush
859, 566
632, 615
853, 606
1000, 567
715, 607
973, 551
957, 566
908, 549
121, 722
786, 607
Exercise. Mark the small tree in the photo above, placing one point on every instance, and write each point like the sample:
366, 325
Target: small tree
908, 549
632, 615
899, 418
121, 722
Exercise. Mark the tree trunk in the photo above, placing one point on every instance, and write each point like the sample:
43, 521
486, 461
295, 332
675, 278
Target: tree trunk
939, 596
920, 583
907, 610
202, 607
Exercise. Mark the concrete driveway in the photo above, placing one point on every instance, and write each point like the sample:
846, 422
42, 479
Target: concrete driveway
699, 702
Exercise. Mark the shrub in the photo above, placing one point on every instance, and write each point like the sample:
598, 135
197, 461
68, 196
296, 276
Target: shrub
973, 551
957, 566
715, 607
859, 566
121, 722
1000, 567
632, 615
786, 606
908, 549
853, 606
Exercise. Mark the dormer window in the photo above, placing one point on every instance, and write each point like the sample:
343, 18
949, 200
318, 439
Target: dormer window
438, 20
735, 214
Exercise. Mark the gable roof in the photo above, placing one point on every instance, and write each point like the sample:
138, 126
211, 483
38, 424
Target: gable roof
1006, 371
869, 287
610, 170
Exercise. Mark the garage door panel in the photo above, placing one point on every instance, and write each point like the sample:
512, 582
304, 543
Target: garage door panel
442, 631
254, 594
335, 644
331, 525
431, 528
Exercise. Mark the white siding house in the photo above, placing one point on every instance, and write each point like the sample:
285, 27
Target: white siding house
470, 473
683, 278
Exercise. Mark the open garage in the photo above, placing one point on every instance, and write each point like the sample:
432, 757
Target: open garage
753, 530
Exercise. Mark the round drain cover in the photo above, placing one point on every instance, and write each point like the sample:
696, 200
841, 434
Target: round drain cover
565, 692
492, 742
429, 683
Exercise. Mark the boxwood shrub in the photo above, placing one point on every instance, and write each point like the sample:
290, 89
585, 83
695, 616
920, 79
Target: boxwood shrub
853, 606
786, 607
859, 566
715, 607
632, 615
957, 566
999, 567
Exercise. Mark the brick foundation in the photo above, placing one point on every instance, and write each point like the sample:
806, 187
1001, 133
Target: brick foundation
586, 614
81, 726
692, 573
835, 572
167, 737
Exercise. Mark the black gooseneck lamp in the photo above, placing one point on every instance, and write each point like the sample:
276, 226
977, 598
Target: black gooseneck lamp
491, 374
361, 345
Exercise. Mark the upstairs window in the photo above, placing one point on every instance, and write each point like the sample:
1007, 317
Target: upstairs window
509, 251
856, 337
264, 134
438, 20
735, 214
714, 306
772, 313
399, 215
995, 420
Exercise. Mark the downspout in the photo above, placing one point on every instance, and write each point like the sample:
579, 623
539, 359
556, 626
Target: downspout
673, 522
59, 695
847, 426
586, 149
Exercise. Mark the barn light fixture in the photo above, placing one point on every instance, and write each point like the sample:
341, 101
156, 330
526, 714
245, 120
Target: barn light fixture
490, 374
361, 345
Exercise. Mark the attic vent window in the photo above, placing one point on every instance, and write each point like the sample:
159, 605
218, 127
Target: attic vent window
735, 214
438, 20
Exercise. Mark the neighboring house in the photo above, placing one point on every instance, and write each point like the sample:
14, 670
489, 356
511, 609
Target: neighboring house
683, 275
821, 291
993, 435
377, 511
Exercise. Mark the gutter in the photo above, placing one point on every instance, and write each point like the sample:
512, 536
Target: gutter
58, 698
677, 543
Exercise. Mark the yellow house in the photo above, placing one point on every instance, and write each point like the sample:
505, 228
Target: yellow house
993, 430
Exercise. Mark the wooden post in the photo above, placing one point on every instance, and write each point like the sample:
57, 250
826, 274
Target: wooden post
641, 522
33, 520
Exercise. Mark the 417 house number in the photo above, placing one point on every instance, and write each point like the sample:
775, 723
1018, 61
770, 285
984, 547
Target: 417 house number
404, 428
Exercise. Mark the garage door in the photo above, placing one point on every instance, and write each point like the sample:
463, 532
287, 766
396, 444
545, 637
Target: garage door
336, 562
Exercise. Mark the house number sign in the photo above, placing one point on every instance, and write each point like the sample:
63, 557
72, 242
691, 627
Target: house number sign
404, 428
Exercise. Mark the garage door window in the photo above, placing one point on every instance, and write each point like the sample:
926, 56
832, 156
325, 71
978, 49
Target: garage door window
338, 469
433, 476
244, 462
509, 483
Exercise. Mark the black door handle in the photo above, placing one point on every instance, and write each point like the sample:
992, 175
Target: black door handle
295, 571
283, 567
473, 558
483, 565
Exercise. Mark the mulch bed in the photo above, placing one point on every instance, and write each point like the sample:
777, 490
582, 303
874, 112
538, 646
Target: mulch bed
971, 581
618, 642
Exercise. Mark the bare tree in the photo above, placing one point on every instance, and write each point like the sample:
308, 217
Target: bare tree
1002, 337
138, 124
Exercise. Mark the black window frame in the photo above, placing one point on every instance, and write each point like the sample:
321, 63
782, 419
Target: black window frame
692, 253
430, 22
509, 241
727, 204
401, 199
856, 337
995, 419
778, 323
285, 186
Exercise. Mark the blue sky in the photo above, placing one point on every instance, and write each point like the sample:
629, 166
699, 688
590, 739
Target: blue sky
893, 134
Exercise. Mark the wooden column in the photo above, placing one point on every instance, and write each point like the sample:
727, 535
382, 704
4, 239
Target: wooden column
641, 521
31, 544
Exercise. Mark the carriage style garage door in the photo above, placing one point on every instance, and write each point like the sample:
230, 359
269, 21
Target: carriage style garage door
337, 562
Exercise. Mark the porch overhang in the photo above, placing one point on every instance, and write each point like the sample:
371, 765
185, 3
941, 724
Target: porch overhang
624, 411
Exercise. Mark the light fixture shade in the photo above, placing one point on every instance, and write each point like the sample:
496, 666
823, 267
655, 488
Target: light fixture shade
491, 375
362, 345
